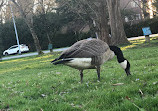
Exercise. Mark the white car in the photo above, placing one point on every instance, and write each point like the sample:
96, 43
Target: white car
15, 49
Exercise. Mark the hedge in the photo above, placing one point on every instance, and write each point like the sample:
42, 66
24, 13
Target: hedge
7, 35
136, 29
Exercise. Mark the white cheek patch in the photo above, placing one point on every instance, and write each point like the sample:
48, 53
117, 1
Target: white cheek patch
124, 64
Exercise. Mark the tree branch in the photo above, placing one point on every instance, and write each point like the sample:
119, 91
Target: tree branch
2, 3
20, 8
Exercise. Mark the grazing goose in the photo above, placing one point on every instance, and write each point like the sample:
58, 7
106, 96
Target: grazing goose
91, 54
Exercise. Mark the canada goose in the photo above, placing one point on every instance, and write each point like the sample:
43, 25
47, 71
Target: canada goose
91, 54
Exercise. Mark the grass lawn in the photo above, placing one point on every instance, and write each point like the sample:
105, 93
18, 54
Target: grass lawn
34, 84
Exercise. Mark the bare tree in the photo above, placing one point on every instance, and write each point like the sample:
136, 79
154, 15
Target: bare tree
117, 29
103, 22
1, 4
99, 9
44, 7
29, 22
95, 10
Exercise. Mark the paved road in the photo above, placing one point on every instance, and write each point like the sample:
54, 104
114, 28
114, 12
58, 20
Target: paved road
61, 49
31, 54
141, 37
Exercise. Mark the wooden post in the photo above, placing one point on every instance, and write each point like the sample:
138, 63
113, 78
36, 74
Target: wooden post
147, 32
147, 38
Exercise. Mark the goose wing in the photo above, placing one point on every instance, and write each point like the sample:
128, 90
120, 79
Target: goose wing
85, 49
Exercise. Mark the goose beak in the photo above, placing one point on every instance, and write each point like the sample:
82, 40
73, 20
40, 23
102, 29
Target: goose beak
128, 71
54, 60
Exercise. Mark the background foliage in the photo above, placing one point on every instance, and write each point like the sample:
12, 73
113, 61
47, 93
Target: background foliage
136, 29
53, 27
53, 24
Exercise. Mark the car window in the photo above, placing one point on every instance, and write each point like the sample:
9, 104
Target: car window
23, 45
13, 47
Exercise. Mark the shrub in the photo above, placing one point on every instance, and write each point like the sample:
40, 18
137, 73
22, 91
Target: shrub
65, 40
7, 35
136, 29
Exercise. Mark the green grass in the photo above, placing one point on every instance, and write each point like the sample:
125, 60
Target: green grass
34, 84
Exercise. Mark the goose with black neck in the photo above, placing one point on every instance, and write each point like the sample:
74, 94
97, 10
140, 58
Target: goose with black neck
91, 54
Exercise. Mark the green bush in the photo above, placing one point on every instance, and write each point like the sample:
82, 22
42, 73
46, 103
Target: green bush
7, 35
65, 40
1, 46
136, 29
0, 50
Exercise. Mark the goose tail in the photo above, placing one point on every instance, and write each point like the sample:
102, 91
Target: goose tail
54, 60
62, 61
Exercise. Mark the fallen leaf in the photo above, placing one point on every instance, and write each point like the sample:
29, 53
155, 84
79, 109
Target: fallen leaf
142, 109
118, 84
58, 72
127, 98
43, 95
141, 92
154, 83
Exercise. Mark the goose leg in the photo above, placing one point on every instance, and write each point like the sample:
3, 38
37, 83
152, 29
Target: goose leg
98, 72
81, 75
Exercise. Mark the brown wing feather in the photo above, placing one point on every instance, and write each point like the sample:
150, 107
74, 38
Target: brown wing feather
85, 49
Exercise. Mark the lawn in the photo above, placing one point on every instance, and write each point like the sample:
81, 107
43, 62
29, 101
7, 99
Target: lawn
34, 84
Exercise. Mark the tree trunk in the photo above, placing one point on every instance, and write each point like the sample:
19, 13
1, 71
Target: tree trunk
98, 15
1, 47
45, 22
31, 28
117, 29
1, 4
103, 31
34, 35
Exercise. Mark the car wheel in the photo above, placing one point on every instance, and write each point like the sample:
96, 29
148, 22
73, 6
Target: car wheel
18, 52
6, 53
